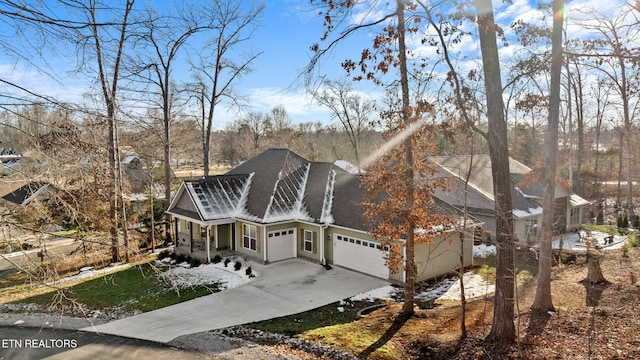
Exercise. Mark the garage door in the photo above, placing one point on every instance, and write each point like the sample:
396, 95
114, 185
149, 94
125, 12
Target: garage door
281, 245
360, 255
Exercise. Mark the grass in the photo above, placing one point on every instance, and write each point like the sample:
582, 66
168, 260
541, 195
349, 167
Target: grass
136, 288
327, 315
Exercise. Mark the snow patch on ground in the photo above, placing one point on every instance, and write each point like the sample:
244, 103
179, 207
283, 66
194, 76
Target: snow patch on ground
483, 251
383, 293
578, 241
89, 272
448, 289
183, 276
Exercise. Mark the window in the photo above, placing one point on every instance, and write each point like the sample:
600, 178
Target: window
531, 226
203, 232
250, 237
308, 241
574, 216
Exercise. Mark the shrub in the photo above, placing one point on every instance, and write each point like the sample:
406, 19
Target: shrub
216, 259
237, 266
226, 262
180, 258
164, 254
194, 262
248, 271
634, 240
173, 256
488, 237
600, 217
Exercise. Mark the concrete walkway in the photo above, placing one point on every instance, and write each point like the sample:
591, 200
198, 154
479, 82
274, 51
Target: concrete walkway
283, 288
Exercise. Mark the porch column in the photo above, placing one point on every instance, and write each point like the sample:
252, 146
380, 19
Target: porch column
176, 233
208, 244
321, 240
216, 241
264, 244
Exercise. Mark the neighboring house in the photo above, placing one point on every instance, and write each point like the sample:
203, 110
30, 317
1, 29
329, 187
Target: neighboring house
9, 160
29, 192
279, 205
526, 196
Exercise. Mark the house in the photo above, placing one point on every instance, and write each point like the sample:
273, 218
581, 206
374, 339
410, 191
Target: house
526, 195
278, 206
25, 194
9, 160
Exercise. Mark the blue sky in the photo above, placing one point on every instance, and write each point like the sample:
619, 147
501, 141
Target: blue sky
289, 27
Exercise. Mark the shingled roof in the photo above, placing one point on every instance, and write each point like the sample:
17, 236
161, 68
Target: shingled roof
276, 185
25, 193
279, 185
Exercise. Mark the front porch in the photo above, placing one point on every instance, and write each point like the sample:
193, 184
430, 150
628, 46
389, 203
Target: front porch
201, 254
202, 241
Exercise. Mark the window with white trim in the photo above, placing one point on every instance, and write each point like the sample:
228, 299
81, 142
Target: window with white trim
308, 241
250, 237
531, 226
574, 215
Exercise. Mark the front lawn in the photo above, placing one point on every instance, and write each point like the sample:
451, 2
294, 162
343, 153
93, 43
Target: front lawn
138, 288
337, 313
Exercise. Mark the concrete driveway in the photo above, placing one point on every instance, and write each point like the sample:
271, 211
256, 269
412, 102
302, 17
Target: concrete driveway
282, 288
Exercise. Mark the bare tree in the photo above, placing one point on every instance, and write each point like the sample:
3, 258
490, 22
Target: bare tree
611, 54
543, 301
217, 69
352, 110
503, 327
109, 85
256, 126
165, 36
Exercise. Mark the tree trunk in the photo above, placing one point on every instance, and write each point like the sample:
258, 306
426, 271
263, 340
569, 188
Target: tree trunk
543, 301
594, 275
503, 327
409, 290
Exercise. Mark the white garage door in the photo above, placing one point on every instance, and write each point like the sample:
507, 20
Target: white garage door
281, 245
360, 255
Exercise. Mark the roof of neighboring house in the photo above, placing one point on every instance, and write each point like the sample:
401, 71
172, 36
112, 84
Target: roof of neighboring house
25, 193
481, 177
526, 196
129, 159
